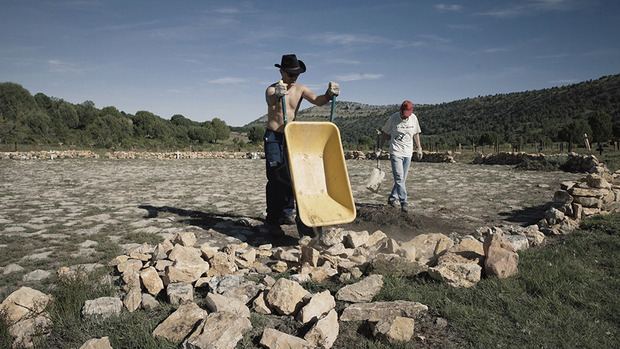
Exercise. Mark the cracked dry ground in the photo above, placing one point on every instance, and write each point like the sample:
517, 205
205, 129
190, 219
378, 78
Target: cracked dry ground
66, 212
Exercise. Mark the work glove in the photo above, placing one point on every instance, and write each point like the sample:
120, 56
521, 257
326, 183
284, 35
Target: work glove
281, 89
419, 151
333, 89
378, 153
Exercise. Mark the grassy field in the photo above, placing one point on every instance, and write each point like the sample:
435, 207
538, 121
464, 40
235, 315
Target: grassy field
564, 296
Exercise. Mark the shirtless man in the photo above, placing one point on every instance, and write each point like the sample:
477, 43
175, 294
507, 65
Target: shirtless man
279, 191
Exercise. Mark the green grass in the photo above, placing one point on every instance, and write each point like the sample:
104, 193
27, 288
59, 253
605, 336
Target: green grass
565, 295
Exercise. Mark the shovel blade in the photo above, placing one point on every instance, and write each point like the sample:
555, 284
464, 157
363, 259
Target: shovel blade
376, 177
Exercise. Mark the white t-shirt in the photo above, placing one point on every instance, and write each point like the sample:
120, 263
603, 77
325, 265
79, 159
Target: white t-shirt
402, 133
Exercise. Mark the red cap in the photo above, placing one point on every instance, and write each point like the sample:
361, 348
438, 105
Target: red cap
406, 108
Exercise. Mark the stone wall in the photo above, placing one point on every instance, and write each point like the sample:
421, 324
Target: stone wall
62, 154
571, 162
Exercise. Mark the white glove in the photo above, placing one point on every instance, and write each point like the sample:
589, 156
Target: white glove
419, 151
281, 89
378, 153
333, 89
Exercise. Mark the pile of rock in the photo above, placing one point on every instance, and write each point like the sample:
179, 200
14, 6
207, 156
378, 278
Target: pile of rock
180, 155
24, 312
435, 157
62, 154
597, 193
571, 162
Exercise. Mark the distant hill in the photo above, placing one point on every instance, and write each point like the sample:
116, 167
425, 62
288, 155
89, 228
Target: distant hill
531, 116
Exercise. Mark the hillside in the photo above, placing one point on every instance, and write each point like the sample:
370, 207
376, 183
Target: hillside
521, 117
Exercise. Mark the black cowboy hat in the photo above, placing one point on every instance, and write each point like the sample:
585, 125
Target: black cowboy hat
291, 64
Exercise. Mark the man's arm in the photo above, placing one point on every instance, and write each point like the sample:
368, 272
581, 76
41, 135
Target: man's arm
314, 98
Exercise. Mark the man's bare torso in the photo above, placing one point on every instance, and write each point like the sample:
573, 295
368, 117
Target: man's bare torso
275, 117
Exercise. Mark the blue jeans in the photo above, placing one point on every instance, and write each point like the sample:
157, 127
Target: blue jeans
400, 168
279, 190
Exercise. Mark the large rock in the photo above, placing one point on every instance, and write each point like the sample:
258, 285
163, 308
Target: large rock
394, 329
501, 259
274, 339
103, 306
97, 343
362, 291
180, 323
456, 271
319, 305
217, 302
151, 280
23, 303
382, 310
428, 246
324, 333
24, 330
219, 330
286, 297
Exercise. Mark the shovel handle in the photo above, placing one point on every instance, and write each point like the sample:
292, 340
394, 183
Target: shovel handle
283, 109
331, 118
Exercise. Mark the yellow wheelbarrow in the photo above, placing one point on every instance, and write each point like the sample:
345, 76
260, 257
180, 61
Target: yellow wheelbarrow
318, 172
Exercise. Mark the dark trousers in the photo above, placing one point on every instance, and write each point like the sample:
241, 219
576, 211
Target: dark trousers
279, 189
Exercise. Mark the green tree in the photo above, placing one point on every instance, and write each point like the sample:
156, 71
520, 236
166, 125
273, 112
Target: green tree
488, 138
601, 126
222, 131
180, 120
255, 134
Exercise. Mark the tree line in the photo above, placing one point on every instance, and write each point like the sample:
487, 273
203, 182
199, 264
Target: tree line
558, 114
43, 120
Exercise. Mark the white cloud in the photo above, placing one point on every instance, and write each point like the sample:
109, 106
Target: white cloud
359, 76
228, 80
444, 7
532, 7
57, 66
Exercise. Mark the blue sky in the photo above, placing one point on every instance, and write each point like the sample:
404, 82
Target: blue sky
214, 59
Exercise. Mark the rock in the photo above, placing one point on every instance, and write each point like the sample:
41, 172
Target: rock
180, 323
394, 329
456, 271
215, 302
501, 259
24, 330
219, 330
469, 248
362, 291
180, 293
563, 197
221, 264
392, 264
259, 305
286, 297
184, 239
274, 339
133, 299
130, 264
97, 343
149, 302
333, 236
324, 333
103, 306
533, 235
520, 243
22, 303
310, 256
382, 310
151, 281
429, 246
356, 239
319, 305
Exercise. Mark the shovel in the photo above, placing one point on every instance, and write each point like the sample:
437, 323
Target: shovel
377, 175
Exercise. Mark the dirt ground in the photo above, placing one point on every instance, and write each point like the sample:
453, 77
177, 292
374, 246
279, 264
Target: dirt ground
52, 212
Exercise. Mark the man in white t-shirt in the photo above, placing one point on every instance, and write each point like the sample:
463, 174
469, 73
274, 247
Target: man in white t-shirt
403, 128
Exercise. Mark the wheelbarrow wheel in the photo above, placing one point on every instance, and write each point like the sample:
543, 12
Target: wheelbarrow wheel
304, 230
